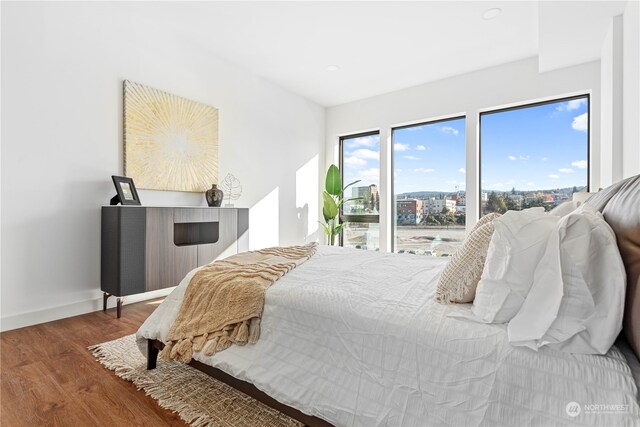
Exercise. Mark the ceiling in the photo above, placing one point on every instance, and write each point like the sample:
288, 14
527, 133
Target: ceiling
383, 46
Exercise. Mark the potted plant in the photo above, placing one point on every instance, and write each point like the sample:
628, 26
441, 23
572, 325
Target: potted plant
332, 200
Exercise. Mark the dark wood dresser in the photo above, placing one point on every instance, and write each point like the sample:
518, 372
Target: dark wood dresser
149, 248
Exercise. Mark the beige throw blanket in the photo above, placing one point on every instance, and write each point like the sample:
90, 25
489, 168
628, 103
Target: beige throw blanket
223, 302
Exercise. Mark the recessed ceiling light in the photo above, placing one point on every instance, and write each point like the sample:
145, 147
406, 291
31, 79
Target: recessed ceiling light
332, 68
491, 13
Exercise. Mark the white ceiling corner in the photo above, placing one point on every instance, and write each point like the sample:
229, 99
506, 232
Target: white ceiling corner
382, 46
572, 32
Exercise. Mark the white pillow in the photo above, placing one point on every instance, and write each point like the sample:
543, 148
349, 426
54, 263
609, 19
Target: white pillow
576, 302
565, 208
517, 245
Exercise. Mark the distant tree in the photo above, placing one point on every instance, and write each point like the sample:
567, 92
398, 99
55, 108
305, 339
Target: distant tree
510, 203
496, 203
446, 216
513, 190
461, 218
575, 189
535, 203
431, 219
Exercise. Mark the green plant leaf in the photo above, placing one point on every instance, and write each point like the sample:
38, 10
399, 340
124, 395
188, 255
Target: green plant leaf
329, 207
349, 185
333, 183
343, 201
326, 229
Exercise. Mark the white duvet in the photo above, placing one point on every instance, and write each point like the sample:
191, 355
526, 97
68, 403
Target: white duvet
354, 337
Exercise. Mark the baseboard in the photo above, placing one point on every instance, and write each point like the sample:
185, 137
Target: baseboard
35, 317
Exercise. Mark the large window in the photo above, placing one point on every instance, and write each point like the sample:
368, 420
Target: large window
360, 160
429, 187
534, 155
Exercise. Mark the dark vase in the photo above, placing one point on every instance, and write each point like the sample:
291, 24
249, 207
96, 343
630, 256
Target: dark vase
214, 196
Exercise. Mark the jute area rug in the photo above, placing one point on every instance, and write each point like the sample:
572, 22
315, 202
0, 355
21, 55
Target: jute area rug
199, 399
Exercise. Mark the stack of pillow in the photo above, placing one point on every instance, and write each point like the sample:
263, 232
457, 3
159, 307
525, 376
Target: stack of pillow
556, 278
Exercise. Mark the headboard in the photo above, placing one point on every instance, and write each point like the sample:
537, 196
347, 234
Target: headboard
620, 205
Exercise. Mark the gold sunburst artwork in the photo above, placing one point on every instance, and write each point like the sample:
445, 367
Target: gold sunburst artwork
170, 143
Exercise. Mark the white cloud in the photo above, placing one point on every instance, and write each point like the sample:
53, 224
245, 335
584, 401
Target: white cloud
401, 147
354, 161
553, 176
461, 170
544, 159
530, 184
424, 170
449, 130
420, 147
580, 123
365, 153
498, 185
565, 170
369, 175
580, 164
520, 157
411, 157
574, 104
363, 141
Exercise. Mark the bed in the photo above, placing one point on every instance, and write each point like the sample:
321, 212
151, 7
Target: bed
355, 338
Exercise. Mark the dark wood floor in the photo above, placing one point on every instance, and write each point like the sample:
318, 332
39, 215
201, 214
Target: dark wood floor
49, 378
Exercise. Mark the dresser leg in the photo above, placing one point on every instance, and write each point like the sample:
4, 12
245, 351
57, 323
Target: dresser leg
119, 306
105, 297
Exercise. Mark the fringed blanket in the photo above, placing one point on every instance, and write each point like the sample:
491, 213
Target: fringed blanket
223, 302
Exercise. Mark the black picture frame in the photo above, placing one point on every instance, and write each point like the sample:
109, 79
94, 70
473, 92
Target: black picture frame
126, 191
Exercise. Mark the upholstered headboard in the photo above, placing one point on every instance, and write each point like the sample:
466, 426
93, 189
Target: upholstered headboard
620, 205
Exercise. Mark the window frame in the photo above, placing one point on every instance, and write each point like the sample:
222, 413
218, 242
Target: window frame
374, 219
528, 105
394, 208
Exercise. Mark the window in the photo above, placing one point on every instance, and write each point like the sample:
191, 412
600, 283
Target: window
534, 155
429, 187
360, 160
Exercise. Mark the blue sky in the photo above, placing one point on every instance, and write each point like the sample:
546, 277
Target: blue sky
430, 157
542, 147
362, 160
535, 148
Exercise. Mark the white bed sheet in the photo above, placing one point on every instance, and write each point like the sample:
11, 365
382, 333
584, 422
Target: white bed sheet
354, 337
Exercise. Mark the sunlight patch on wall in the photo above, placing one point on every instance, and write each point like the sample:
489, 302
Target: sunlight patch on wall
264, 220
307, 197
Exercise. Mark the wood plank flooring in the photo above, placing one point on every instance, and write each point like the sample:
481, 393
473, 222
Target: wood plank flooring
49, 378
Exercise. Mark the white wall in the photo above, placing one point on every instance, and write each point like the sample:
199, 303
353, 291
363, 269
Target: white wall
611, 104
631, 89
620, 88
469, 94
62, 70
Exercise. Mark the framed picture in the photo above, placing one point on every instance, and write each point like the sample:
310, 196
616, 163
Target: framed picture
127, 194
170, 142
